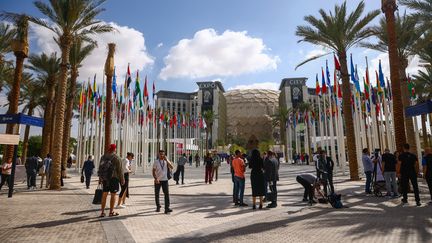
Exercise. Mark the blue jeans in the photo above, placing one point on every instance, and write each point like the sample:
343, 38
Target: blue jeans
239, 186
368, 181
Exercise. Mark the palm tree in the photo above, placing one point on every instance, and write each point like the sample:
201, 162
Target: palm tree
7, 34
340, 31
19, 46
209, 117
47, 70
71, 18
32, 102
423, 12
109, 72
389, 7
79, 51
407, 37
280, 121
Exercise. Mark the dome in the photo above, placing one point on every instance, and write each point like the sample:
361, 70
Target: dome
250, 112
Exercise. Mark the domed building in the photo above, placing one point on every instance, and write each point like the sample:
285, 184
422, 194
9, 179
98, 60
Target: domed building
250, 112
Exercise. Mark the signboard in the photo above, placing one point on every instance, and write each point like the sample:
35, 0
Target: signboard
21, 119
296, 94
9, 139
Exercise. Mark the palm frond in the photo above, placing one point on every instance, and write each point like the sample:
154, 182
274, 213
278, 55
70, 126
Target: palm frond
311, 59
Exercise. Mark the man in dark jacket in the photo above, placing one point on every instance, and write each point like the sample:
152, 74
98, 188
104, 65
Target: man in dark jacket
271, 174
31, 169
427, 170
409, 172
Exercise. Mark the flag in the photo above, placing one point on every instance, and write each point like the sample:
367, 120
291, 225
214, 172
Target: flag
354, 77
328, 76
379, 89
128, 80
381, 76
411, 88
337, 65
317, 89
154, 90
114, 84
366, 84
138, 90
323, 85
145, 90
389, 93
94, 87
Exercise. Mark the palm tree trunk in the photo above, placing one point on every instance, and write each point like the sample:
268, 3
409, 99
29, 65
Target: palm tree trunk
13, 101
424, 131
389, 7
65, 43
48, 118
69, 113
26, 136
349, 123
109, 72
409, 125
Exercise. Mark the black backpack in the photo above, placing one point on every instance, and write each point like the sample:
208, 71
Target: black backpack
335, 200
106, 169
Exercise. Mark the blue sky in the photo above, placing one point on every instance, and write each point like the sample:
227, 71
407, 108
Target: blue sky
165, 23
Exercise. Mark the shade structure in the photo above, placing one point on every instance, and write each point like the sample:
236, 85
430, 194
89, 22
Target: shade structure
419, 109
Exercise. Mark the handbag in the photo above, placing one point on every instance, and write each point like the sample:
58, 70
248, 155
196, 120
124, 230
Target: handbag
97, 199
82, 178
169, 173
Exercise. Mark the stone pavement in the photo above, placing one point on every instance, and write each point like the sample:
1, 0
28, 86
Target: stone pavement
204, 213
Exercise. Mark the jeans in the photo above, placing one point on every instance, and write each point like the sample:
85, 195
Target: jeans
391, 184
405, 181
31, 179
208, 174
180, 171
368, 181
239, 186
215, 172
4, 178
164, 185
429, 182
308, 192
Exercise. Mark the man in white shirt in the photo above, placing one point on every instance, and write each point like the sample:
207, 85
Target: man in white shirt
161, 168
126, 169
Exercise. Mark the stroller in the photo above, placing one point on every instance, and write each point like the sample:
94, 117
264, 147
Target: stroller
378, 182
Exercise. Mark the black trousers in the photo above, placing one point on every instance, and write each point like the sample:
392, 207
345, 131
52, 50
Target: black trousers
31, 179
330, 182
308, 188
125, 186
273, 190
405, 178
4, 178
87, 178
164, 185
429, 182
180, 170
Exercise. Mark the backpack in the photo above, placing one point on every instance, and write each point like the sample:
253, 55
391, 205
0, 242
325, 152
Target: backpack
335, 200
106, 169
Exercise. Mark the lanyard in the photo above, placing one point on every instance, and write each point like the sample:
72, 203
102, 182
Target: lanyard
162, 165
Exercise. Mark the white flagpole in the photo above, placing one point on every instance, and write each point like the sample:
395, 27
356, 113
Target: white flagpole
332, 143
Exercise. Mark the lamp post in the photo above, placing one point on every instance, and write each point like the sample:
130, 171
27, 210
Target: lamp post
389, 7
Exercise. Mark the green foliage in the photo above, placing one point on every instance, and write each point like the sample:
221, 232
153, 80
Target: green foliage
35, 146
235, 147
72, 144
264, 146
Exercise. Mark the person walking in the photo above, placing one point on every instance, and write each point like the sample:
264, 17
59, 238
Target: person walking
110, 175
216, 164
208, 162
181, 168
427, 170
6, 171
308, 183
329, 166
190, 159
368, 169
408, 172
31, 169
126, 169
239, 168
256, 163
197, 160
87, 170
271, 172
161, 168
389, 163
46, 171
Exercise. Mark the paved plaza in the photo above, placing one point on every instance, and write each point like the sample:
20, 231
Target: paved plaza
205, 213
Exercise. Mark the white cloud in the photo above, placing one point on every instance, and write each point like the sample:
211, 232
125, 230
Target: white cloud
159, 45
413, 66
315, 52
130, 48
264, 85
208, 54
